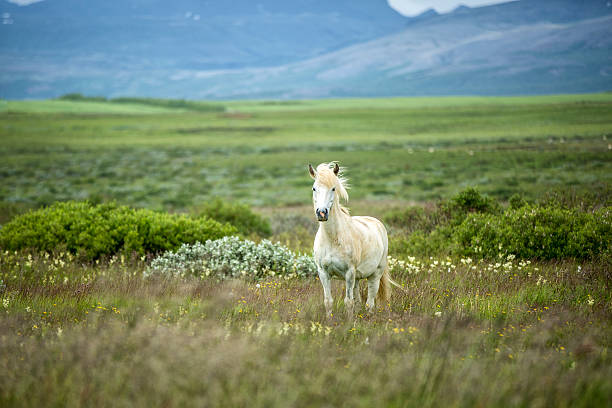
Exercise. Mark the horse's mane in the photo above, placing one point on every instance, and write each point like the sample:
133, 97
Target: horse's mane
327, 177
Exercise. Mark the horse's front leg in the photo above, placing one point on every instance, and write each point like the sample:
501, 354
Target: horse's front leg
349, 299
328, 300
357, 294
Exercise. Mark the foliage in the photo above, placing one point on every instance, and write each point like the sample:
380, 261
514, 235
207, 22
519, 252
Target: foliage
517, 201
476, 225
452, 211
467, 202
535, 232
239, 215
93, 231
231, 257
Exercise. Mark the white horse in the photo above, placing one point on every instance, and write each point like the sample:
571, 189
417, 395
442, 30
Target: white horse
346, 247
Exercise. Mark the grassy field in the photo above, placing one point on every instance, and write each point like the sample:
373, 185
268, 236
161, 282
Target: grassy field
507, 333
407, 150
462, 332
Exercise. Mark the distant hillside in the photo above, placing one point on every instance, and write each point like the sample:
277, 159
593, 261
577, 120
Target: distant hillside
58, 46
301, 48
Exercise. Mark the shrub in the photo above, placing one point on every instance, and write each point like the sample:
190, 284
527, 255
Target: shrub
537, 232
451, 211
517, 201
424, 244
231, 257
467, 202
239, 215
475, 225
93, 231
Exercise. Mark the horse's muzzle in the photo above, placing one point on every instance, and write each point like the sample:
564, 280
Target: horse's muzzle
322, 214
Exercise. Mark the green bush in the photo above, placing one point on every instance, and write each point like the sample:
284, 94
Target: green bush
93, 231
517, 201
424, 244
467, 202
239, 215
571, 226
537, 232
451, 211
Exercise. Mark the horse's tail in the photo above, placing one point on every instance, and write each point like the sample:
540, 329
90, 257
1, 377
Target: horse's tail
384, 289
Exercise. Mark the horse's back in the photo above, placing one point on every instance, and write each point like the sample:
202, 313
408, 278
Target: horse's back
371, 225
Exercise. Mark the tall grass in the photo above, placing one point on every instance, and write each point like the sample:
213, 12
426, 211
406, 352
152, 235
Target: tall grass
460, 334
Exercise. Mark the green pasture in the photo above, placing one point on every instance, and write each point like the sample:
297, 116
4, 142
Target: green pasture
396, 149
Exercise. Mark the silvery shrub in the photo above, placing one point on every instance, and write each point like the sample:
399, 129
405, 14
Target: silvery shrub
232, 257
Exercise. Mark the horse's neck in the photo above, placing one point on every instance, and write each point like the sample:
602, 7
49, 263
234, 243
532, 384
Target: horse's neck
337, 227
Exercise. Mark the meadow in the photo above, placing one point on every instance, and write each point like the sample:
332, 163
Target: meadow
414, 150
465, 330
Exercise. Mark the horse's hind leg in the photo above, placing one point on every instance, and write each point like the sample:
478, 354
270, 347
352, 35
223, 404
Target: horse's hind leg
373, 283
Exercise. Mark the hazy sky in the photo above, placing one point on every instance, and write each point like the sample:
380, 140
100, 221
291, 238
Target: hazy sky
415, 7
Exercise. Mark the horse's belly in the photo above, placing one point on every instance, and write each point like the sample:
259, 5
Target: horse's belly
367, 268
335, 266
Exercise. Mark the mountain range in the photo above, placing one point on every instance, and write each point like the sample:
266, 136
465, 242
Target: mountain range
301, 49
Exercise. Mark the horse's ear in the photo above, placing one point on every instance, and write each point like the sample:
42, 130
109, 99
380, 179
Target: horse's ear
312, 171
336, 168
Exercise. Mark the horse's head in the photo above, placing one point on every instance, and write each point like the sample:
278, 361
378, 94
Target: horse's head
327, 188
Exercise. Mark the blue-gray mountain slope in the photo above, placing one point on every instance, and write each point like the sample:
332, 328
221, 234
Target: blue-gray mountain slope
302, 48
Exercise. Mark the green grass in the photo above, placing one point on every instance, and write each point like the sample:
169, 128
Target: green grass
59, 106
411, 149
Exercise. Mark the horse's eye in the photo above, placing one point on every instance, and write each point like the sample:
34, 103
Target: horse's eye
334, 189
313, 189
